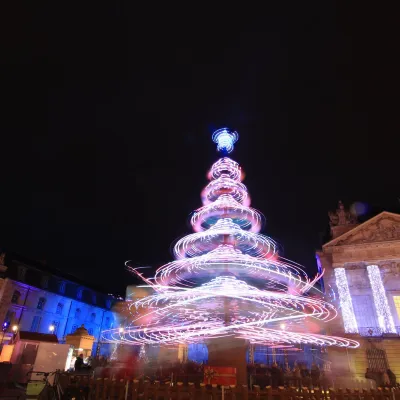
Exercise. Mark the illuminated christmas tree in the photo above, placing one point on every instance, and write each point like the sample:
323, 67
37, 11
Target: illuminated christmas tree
228, 280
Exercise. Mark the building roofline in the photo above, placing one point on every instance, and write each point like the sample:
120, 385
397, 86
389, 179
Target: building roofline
359, 227
40, 266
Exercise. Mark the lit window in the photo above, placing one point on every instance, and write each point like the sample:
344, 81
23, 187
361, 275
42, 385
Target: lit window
41, 303
396, 300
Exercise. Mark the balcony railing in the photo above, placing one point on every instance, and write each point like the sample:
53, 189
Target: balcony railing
374, 331
371, 331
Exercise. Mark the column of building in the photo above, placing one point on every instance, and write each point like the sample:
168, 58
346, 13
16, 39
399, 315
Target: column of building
346, 304
381, 304
385, 318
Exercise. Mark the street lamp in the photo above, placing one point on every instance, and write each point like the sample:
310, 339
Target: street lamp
51, 328
3, 328
121, 330
15, 328
283, 326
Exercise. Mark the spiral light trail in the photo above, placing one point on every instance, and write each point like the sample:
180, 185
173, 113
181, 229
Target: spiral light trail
227, 280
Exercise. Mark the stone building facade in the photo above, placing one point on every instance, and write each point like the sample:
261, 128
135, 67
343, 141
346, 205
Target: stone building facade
36, 298
362, 278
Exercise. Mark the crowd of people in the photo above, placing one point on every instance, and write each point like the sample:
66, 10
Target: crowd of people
299, 375
273, 375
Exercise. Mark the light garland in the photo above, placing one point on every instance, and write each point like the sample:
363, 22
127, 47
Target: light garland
276, 273
225, 167
225, 185
226, 206
227, 279
385, 319
346, 305
248, 243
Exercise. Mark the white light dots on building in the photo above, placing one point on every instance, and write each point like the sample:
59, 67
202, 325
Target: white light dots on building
385, 319
349, 318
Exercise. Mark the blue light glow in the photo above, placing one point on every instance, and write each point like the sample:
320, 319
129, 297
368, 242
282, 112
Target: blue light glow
225, 139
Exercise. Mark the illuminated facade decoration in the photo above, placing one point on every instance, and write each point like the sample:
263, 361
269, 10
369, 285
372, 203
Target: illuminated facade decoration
44, 302
385, 319
346, 305
362, 270
228, 280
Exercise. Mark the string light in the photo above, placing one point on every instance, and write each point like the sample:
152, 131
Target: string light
346, 305
225, 167
247, 218
227, 279
385, 319
249, 243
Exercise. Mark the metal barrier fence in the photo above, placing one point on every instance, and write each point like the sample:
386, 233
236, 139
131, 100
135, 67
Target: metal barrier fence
105, 389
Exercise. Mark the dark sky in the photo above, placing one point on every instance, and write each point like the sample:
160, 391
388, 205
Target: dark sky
109, 112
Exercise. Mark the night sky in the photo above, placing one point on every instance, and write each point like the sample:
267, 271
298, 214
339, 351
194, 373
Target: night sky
106, 131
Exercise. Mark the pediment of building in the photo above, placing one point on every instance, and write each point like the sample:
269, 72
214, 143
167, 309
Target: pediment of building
384, 227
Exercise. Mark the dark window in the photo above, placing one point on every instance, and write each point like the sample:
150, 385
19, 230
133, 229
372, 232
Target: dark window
33, 277
78, 313
41, 303
93, 317
62, 287
15, 297
79, 293
9, 317
107, 323
108, 303
45, 282
74, 328
59, 309
35, 324
21, 273
90, 330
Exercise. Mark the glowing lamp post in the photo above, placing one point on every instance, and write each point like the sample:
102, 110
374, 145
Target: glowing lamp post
4, 328
52, 328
